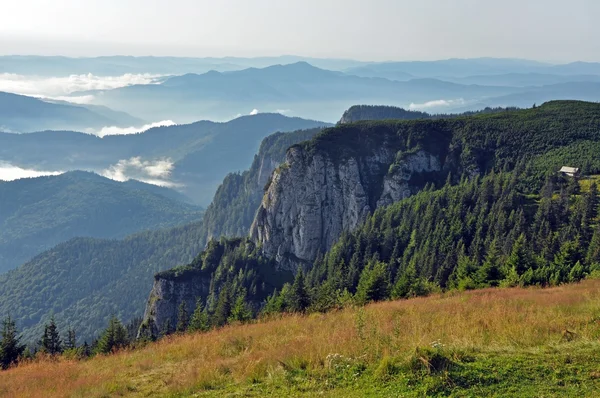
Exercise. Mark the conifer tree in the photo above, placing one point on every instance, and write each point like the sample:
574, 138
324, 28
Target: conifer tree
520, 259
223, 307
113, 338
11, 348
490, 273
199, 321
241, 311
374, 283
182, 318
71, 340
51, 342
299, 299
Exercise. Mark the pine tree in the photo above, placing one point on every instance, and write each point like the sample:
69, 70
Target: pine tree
223, 308
490, 273
298, 300
240, 312
71, 340
520, 258
11, 348
113, 338
182, 318
51, 342
199, 321
374, 284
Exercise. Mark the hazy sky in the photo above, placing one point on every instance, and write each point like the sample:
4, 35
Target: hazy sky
553, 30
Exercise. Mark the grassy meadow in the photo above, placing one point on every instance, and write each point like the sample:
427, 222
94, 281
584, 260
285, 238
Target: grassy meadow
494, 342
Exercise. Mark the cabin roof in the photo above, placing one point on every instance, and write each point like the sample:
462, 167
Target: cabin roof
571, 170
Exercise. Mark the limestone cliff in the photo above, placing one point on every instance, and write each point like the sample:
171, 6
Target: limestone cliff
168, 293
233, 208
323, 190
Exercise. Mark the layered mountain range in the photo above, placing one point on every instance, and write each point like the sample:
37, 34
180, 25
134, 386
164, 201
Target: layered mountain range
330, 185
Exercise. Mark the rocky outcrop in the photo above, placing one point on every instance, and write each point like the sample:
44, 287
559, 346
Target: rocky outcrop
397, 184
379, 112
316, 195
167, 295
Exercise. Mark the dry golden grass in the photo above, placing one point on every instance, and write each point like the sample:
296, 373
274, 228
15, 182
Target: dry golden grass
490, 320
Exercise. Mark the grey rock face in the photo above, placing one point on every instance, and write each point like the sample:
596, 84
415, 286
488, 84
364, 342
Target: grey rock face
313, 199
166, 297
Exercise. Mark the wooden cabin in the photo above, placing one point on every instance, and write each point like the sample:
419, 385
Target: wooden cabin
570, 171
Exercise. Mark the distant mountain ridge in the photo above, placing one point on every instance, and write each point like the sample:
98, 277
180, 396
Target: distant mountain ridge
199, 154
19, 113
114, 276
38, 213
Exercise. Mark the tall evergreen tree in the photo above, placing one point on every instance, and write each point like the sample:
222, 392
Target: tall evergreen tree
223, 307
11, 348
51, 342
113, 338
298, 300
182, 318
200, 319
241, 311
71, 340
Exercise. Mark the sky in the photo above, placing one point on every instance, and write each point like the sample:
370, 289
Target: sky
376, 30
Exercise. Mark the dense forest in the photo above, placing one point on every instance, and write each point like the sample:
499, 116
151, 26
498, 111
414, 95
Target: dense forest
508, 219
39, 213
84, 281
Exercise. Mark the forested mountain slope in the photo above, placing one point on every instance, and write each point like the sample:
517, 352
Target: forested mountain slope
332, 183
502, 216
19, 113
38, 213
84, 281
194, 157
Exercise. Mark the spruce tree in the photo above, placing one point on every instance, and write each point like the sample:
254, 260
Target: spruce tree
241, 311
71, 340
199, 321
182, 318
374, 284
113, 338
223, 308
299, 299
11, 348
490, 273
51, 342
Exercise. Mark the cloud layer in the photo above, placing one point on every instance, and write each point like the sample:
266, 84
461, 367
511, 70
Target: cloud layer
55, 87
113, 130
156, 172
442, 103
8, 172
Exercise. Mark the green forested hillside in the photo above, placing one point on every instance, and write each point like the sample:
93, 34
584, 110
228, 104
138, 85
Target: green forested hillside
84, 281
501, 218
38, 213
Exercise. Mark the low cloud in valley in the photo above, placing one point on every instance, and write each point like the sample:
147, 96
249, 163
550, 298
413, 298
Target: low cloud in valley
113, 130
9, 172
156, 172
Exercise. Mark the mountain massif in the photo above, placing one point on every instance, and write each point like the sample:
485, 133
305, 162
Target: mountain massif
84, 281
22, 114
193, 158
38, 213
331, 185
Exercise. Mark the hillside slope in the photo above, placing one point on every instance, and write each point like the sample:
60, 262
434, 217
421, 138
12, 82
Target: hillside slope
38, 213
192, 157
494, 342
85, 280
19, 113
329, 185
